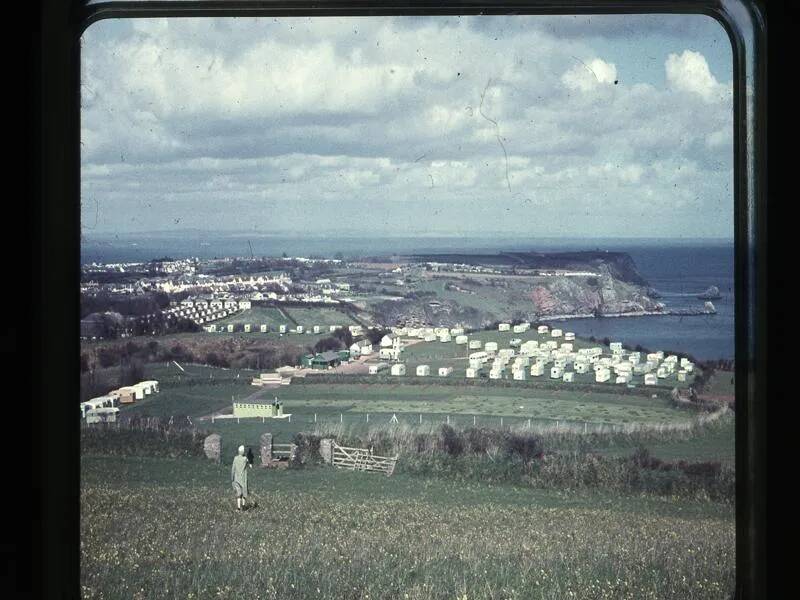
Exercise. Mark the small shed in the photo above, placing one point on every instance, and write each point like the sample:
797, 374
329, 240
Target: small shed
377, 368
445, 371
423, 370
472, 372
568, 376
399, 369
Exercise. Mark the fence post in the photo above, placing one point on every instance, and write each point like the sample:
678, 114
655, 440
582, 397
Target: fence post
266, 448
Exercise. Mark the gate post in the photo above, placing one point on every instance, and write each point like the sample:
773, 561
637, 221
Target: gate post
266, 448
326, 450
212, 446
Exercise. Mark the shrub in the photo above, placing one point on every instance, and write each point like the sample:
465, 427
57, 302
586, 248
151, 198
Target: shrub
451, 442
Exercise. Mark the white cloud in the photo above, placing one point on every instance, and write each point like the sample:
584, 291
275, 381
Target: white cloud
341, 113
689, 72
589, 75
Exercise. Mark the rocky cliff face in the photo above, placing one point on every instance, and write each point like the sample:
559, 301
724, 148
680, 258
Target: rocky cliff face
598, 296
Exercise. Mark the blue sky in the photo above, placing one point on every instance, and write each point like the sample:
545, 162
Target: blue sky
601, 126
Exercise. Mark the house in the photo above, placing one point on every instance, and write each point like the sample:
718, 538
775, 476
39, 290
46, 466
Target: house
474, 344
556, 333
537, 369
556, 372
473, 373
300, 329
504, 327
423, 370
264, 328
377, 368
542, 329
461, 339
247, 327
244, 304
650, 379
568, 376
445, 371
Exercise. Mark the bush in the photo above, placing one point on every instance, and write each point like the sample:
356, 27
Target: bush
450, 441
140, 436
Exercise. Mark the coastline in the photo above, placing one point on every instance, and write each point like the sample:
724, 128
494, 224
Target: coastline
641, 313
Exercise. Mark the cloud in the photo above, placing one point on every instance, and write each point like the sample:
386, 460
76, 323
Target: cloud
588, 75
689, 72
391, 122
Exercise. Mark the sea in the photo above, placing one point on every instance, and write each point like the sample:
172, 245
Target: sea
677, 269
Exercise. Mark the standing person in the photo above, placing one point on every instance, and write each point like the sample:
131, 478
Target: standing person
239, 478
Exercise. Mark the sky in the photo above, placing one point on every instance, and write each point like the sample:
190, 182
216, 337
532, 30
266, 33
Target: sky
593, 126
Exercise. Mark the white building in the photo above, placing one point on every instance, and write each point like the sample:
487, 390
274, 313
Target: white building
537, 369
423, 370
461, 339
377, 368
542, 329
445, 371
504, 327
472, 372
650, 379
568, 376
556, 372
474, 344
398, 369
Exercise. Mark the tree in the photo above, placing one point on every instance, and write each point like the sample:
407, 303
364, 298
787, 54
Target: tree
328, 343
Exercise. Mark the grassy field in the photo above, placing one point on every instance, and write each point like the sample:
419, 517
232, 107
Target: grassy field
268, 315
722, 383
202, 390
166, 528
714, 444
308, 317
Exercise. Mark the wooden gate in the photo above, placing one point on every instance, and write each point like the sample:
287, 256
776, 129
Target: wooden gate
362, 459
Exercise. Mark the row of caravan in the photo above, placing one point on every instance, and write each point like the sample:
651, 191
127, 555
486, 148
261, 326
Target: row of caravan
102, 406
285, 328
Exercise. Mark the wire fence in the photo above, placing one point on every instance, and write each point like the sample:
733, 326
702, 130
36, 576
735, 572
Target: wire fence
298, 421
